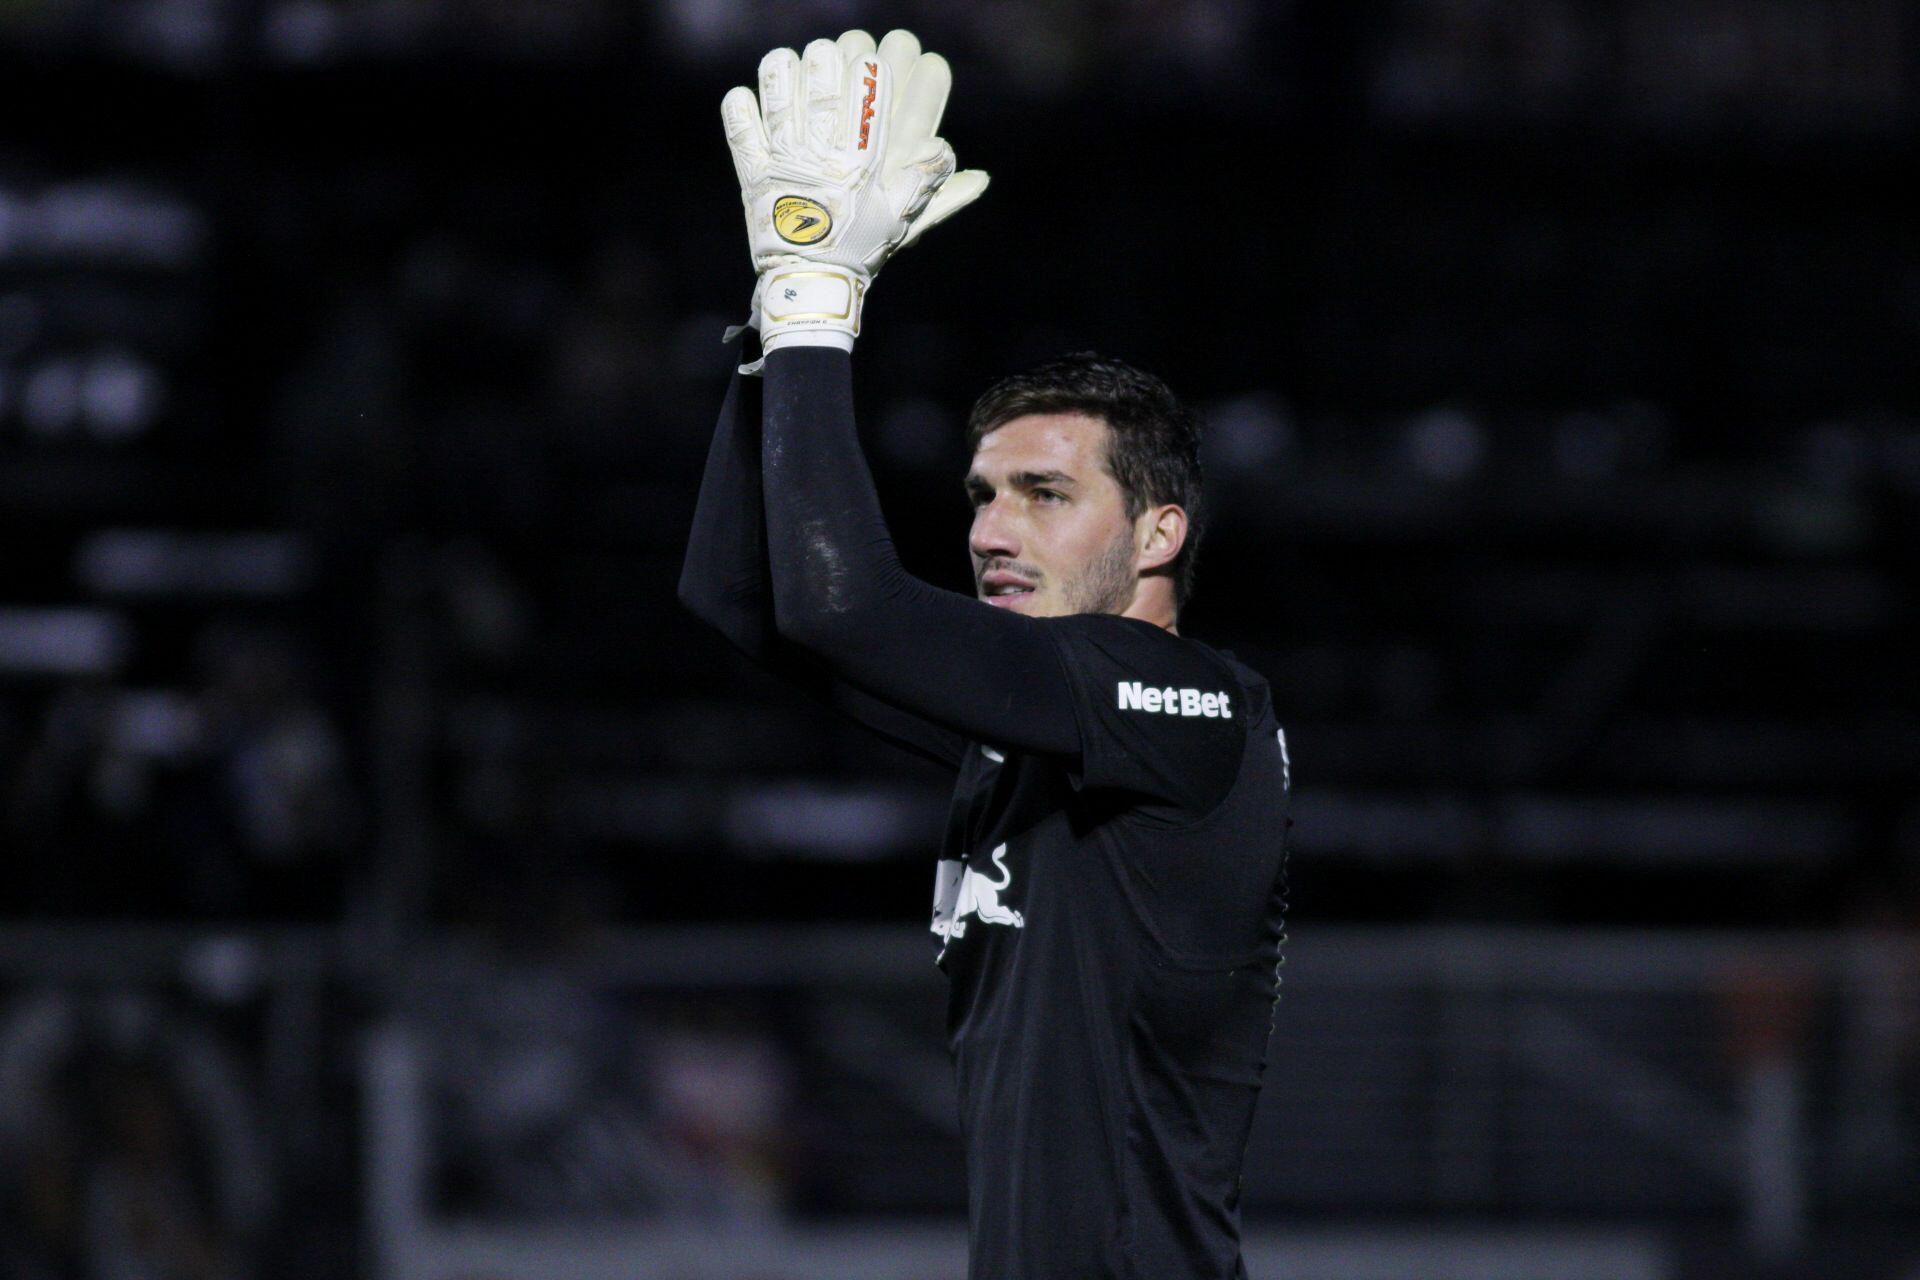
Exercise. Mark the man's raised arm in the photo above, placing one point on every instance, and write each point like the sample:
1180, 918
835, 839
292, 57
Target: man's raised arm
841, 165
726, 581
841, 591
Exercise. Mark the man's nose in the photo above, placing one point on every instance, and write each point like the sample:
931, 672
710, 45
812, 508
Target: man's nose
993, 533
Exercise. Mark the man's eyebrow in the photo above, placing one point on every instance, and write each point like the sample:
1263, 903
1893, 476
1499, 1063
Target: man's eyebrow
1032, 479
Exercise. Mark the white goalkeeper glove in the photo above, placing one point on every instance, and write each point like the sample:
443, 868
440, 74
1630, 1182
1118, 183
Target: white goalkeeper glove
840, 166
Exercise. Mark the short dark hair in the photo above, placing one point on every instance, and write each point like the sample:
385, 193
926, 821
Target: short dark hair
1153, 441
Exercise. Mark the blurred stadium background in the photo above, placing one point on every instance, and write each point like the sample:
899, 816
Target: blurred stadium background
397, 884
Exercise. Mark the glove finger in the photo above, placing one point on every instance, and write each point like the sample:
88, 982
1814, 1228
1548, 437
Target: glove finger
854, 44
779, 81
959, 191
922, 176
870, 88
823, 95
899, 49
932, 162
856, 47
746, 133
923, 100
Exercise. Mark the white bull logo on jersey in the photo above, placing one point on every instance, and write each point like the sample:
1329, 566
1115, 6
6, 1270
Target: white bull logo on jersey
959, 891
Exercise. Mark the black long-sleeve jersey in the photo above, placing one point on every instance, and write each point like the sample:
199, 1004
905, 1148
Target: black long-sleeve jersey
1109, 895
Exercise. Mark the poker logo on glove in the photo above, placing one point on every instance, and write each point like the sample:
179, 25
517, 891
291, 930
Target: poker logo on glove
800, 220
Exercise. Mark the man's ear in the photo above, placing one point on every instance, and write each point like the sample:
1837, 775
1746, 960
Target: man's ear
1160, 532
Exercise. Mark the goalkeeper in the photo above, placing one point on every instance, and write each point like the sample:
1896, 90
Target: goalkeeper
1108, 898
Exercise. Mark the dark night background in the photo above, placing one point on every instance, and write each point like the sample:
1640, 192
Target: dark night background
357, 362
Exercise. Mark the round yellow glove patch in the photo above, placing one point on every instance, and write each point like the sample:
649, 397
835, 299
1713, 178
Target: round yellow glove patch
800, 220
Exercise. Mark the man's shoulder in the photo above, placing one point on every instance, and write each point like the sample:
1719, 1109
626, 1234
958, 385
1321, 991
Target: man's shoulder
1164, 719
1118, 634
1149, 652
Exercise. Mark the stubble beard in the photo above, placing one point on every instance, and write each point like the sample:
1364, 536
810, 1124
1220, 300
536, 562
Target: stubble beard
1107, 584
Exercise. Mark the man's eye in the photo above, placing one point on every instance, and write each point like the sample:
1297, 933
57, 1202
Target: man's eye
1049, 495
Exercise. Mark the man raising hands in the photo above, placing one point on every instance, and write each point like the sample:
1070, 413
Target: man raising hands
1109, 895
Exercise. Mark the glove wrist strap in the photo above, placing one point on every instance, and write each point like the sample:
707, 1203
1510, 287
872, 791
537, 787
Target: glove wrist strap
810, 304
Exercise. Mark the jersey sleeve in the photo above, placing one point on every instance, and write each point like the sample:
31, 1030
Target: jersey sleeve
840, 592
1160, 717
726, 582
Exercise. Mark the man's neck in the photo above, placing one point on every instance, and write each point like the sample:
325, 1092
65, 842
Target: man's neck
1154, 607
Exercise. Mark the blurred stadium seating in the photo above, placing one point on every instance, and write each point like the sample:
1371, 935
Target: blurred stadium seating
356, 365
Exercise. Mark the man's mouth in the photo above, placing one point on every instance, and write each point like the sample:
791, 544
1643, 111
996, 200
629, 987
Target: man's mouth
1004, 590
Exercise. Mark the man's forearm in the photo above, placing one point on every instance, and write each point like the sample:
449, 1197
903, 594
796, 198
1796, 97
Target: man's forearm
840, 590
724, 580
833, 562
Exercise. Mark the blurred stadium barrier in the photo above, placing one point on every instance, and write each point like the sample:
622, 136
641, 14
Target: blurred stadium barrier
776, 1103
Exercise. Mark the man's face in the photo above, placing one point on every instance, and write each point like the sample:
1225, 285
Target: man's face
1050, 530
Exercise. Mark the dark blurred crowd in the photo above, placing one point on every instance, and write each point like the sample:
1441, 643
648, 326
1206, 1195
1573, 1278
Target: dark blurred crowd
229, 798
157, 1131
356, 367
